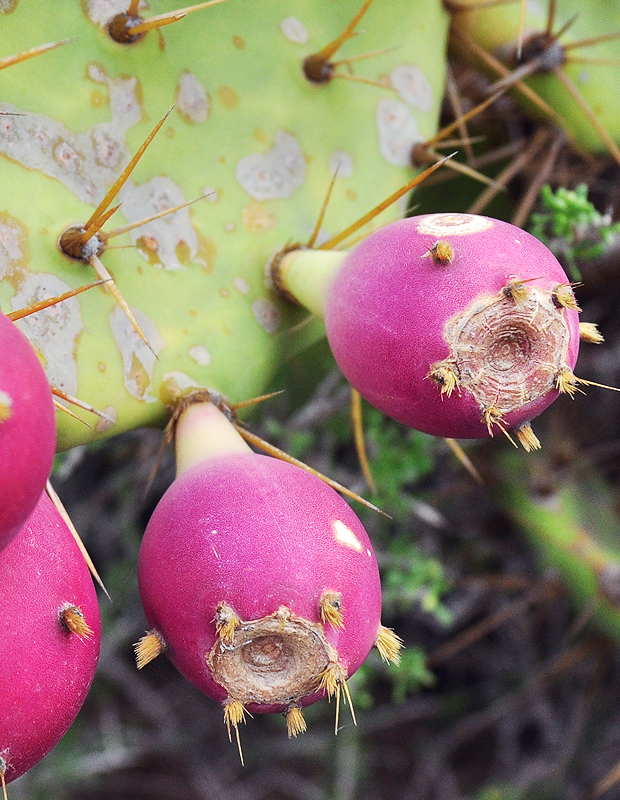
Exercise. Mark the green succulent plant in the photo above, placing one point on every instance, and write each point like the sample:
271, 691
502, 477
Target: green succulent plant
567, 53
249, 132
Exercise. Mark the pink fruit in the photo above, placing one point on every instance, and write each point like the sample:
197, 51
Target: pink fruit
50, 632
27, 429
261, 583
454, 324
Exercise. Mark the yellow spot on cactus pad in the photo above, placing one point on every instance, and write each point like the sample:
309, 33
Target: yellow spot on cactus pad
228, 97
257, 218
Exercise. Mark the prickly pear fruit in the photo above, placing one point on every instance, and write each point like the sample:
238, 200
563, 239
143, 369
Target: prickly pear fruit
50, 631
455, 324
27, 429
259, 580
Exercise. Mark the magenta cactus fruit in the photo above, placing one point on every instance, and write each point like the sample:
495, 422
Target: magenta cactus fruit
50, 631
27, 429
261, 583
455, 324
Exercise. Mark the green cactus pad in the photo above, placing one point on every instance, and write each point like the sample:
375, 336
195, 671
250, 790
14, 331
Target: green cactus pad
592, 68
248, 131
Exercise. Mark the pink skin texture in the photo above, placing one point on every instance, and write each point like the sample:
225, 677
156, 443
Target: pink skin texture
45, 670
28, 435
387, 307
256, 533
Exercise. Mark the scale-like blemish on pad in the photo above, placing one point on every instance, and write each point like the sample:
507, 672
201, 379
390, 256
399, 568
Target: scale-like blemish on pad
171, 241
276, 173
44, 144
398, 132
192, 99
294, 30
241, 285
200, 355
138, 360
53, 331
86, 163
101, 11
341, 164
413, 86
267, 314
14, 250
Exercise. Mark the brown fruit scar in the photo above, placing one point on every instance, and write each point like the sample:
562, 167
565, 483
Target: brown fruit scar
331, 609
507, 354
148, 647
274, 660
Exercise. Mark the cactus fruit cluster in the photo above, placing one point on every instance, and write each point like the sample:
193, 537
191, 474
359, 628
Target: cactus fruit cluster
165, 237
114, 119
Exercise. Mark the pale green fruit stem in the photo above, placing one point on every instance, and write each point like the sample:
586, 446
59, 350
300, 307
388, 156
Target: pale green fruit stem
203, 432
308, 274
